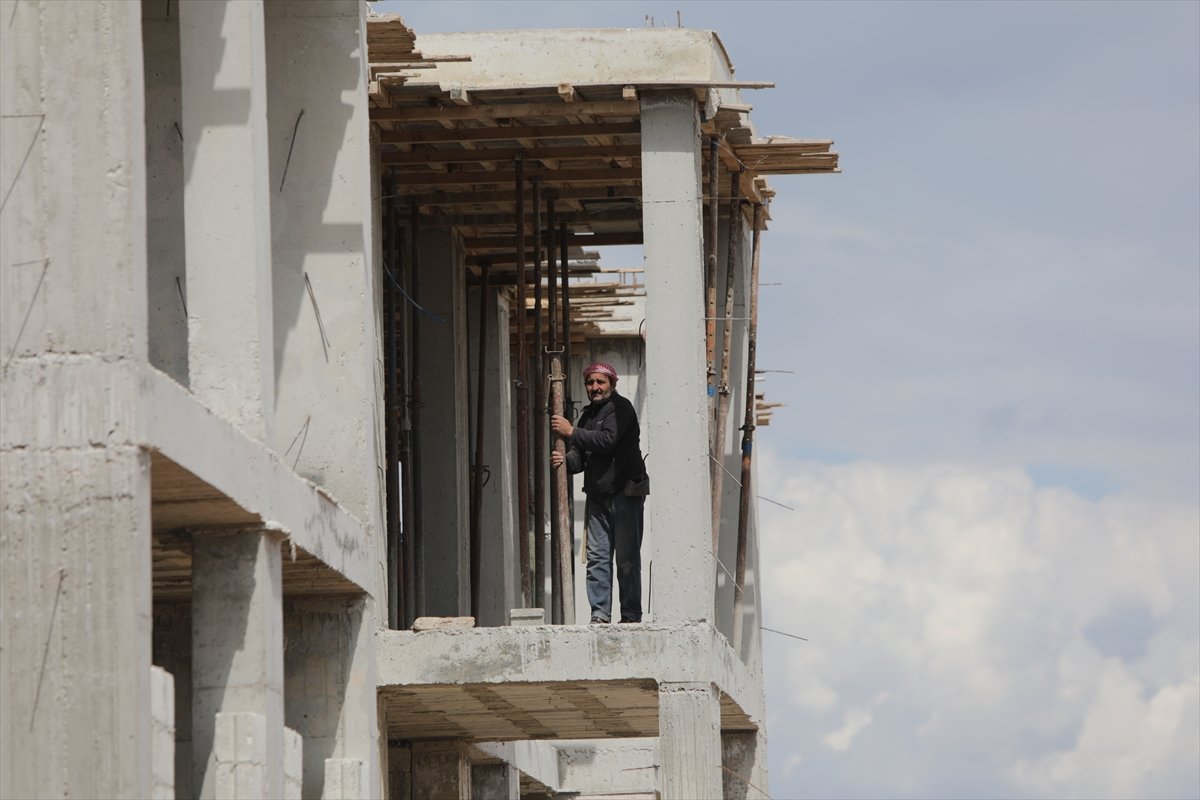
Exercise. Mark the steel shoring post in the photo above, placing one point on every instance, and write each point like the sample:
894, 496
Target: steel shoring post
566, 563
522, 392
539, 406
722, 415
745, 497
477, 471
710, 272
391, 407
557, 495
404, 362
417, 565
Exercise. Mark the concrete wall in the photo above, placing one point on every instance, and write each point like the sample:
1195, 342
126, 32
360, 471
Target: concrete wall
443, 432
74, 605
324, 288
500, 581
165, 261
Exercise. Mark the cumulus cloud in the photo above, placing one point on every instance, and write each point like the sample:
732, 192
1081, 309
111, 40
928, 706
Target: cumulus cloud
973, 635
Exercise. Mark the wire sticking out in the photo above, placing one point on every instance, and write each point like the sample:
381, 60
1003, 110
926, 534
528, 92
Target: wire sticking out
317, 311
411, 302
782, 633
295, 128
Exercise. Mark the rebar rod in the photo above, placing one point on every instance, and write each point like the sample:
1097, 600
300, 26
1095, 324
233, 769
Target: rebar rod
478, 467
722, 414
539, 405
522, 392
748, 425
564, 249
566, 562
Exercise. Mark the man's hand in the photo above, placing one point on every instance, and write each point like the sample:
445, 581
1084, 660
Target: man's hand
557, 459
559, 425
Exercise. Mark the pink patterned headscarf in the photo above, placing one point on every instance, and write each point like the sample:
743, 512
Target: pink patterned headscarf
602, 368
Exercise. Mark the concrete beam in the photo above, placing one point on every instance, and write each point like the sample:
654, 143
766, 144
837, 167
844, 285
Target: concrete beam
743, 758
227, 219
85, 403
673, 654
675, 357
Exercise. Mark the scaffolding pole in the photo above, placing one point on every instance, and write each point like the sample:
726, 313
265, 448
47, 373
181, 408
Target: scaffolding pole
478, 466
539, 405
745, 498
522, 392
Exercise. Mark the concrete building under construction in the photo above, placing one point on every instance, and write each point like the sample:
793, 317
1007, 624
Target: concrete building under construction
287, 296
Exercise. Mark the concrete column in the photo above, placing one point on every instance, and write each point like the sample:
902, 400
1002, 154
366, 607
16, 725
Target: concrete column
500, 580
227, 203
443, 437
328, 405
162, 712
732, 452
242, 763
329, 688
237, 646
293, 764
495, 782
689, 730
345, 779
75, 596
166, 278
440, 771
744, 760
677, 416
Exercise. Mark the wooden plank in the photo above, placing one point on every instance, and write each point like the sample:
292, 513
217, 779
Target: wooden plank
510, 133
607, 175
598, 108
509, 153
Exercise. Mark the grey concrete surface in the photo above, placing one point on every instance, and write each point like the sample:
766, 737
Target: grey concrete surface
689, 740
237, 649
671, 213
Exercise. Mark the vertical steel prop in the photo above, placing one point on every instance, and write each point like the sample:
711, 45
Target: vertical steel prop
539, 410
522, 393
418, 545
478, 466
739, 600
404, 360
554, 358
391, 407
722, 414
710, 272
561, 403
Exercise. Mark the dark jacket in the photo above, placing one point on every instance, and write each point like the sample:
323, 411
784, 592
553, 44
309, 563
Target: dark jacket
606, 446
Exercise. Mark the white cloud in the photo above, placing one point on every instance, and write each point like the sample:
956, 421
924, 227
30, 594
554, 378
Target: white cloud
972, 635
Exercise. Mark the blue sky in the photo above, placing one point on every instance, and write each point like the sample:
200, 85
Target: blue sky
992, 430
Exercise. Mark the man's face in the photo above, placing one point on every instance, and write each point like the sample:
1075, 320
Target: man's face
599, 387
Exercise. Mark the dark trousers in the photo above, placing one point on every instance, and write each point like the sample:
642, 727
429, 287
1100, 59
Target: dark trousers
614, 524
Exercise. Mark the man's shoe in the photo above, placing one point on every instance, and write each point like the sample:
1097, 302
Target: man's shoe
599, 621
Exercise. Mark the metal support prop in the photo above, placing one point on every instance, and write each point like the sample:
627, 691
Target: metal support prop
739, 600
417, 564
391, 405
522, 393
404, 360
722, 415
478, 467
557, 496
566, 609
710, 273
539, 407
564, 249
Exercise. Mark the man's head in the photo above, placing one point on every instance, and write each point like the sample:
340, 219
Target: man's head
599, 379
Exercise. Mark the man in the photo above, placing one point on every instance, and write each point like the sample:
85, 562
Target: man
605, 445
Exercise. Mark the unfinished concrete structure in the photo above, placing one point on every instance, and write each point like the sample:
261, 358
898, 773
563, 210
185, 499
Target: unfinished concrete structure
249, 397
